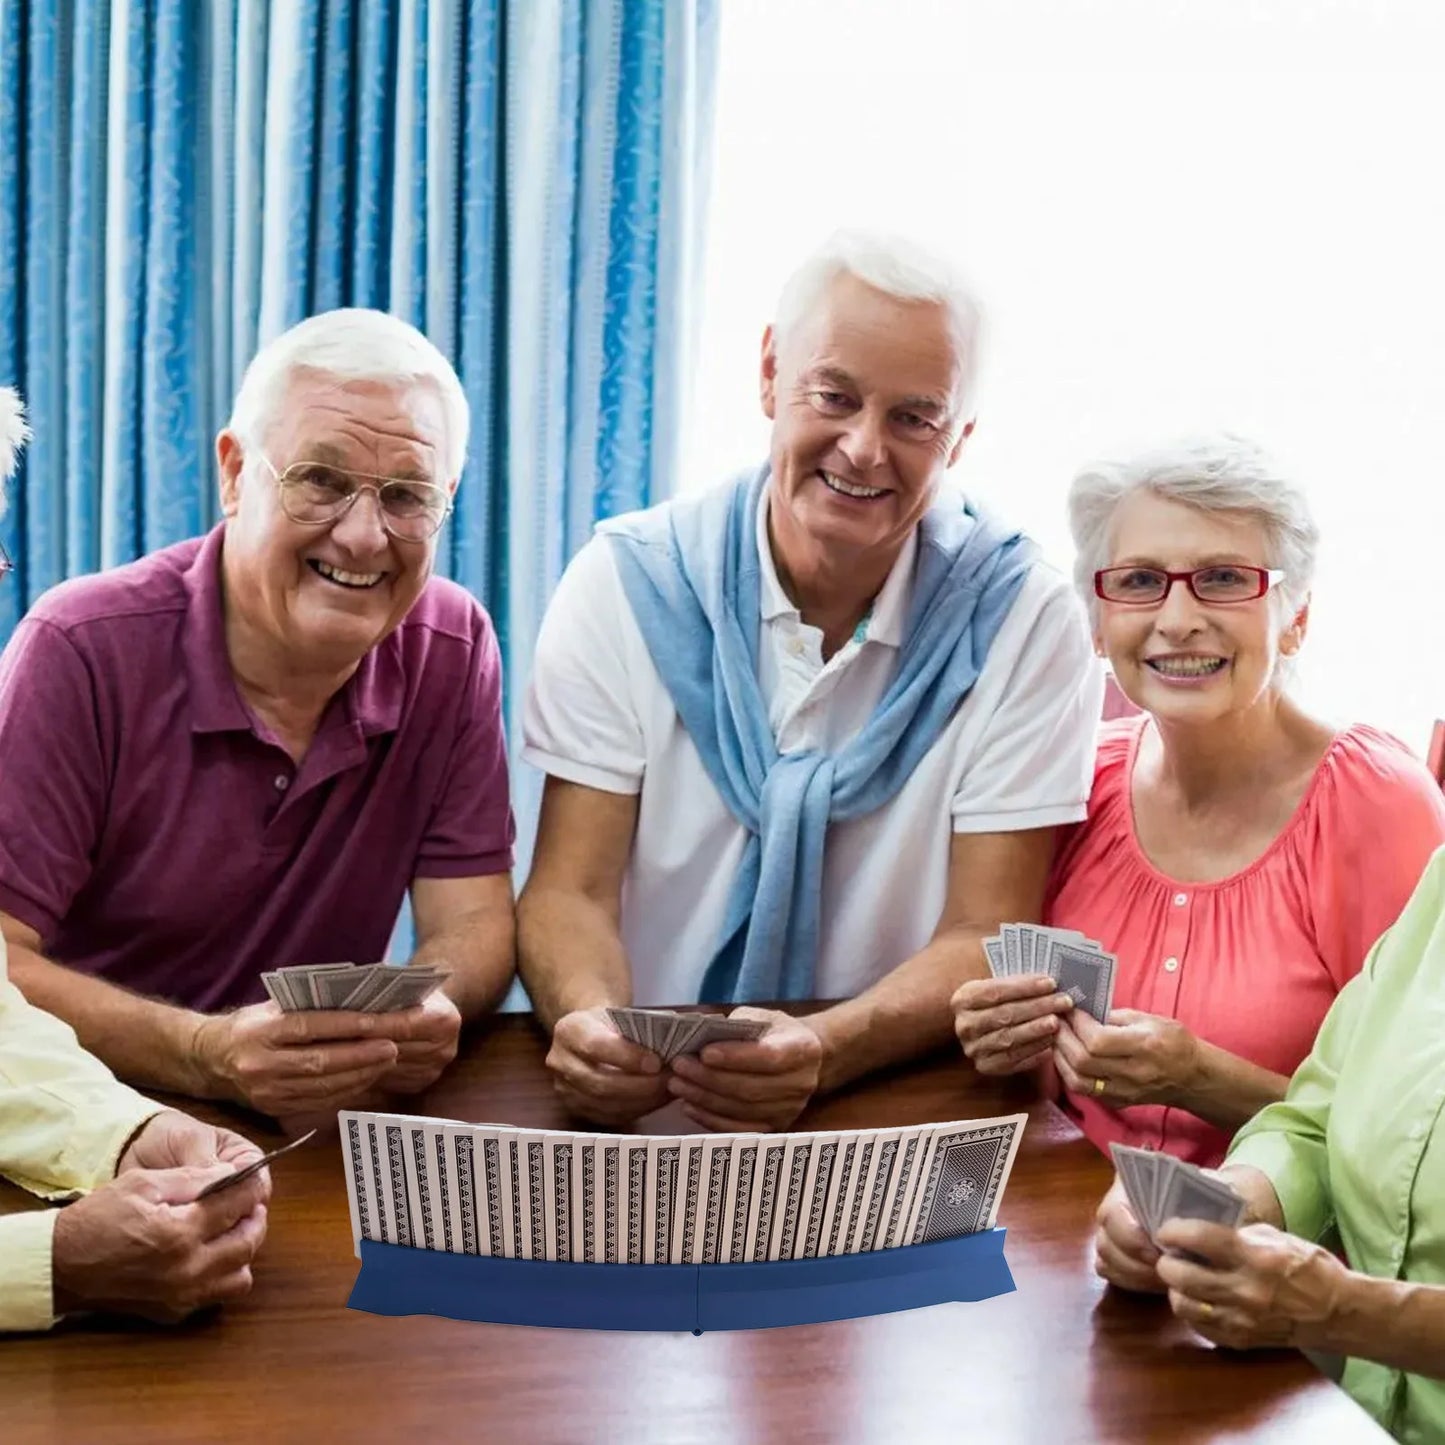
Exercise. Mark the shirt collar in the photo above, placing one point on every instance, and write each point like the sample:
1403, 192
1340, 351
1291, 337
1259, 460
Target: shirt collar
372, 697
885, 620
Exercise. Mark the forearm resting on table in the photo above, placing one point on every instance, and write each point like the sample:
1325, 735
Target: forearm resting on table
904, 1015
144, 1041
1391, 1322
479, 953
1228, 1091
570, 953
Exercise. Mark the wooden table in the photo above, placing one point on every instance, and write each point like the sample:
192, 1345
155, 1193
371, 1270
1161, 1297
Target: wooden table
1057, 1361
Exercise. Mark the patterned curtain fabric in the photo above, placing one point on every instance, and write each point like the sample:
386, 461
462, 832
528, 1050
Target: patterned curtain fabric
523, 179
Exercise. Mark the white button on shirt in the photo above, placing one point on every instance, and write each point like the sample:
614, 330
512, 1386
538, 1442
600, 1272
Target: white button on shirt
1180, 899
282, 782
1017, 754
1170, 965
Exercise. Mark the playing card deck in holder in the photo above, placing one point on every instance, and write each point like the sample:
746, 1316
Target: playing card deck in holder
364, 988
1079, 966
670, 1034
1161, 1187
706, 1198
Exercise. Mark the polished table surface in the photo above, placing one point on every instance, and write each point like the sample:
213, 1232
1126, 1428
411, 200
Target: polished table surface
1061, 1359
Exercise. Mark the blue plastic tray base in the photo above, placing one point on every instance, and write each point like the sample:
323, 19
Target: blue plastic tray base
395, 1280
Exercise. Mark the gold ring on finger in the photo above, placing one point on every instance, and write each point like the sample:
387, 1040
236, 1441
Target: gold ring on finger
1099, 1086
1206, 1310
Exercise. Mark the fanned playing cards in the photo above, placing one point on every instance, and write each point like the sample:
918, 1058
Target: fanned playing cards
365, 988
1079, 966
694, 1199
670, 1034
1161, 1187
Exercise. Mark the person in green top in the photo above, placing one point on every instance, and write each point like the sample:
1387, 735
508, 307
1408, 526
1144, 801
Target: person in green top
1354, 1153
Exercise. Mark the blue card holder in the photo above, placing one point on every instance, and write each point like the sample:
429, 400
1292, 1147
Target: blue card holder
395, 1280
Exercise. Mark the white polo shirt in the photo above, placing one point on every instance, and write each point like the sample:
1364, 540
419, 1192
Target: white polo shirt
1018, 753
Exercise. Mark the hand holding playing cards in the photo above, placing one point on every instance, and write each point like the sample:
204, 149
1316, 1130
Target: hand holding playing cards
599, 1074
144, 1244
172, 1140
752, 1087
426, 1042
1123, 1254
296, 1064
1007, 1025
1141, 1058
1254, 1288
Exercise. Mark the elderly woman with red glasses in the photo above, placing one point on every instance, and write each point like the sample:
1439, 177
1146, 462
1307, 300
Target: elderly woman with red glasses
1241, 855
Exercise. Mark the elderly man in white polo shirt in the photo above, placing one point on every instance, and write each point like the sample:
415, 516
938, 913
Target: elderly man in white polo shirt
808, 735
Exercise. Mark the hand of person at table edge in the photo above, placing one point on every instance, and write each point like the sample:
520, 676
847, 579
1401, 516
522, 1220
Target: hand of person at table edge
1142, 1058
752, 1087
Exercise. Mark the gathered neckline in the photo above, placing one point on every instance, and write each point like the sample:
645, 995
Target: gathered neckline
1278, 842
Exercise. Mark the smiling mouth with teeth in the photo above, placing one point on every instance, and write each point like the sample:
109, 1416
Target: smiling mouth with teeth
1185, 666
356, 581
851, 489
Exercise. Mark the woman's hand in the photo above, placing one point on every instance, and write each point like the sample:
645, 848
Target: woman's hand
1007, 1025
1140, 1058
1254, 1288
1123, 1254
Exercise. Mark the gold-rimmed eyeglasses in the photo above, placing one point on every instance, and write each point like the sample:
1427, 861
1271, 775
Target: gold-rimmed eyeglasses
317, 494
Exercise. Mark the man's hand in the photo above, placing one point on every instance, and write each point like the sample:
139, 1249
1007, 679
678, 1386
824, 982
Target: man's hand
426, 1041
1258, 1288
601, 1076
144, 1245
752, 1087
172, 1140
1142, 1058
1008, 1025
297, 1064
1123, 1254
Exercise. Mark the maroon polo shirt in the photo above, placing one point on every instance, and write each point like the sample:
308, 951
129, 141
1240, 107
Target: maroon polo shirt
155, 834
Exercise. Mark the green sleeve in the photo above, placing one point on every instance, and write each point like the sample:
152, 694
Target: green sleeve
1287, 1140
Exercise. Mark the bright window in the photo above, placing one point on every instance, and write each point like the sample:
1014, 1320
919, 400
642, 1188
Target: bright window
1180, 213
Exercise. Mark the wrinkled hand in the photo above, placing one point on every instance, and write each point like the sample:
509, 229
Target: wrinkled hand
426, 1042
290, 1064
751, 1087
1258, 1288
1123, 1254
601, 1076
1007, 1025
145, 1245
172, 1140
1142, 1058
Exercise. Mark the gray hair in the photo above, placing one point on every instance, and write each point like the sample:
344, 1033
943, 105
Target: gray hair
351, 344
1220, 473
13, 436
899, 268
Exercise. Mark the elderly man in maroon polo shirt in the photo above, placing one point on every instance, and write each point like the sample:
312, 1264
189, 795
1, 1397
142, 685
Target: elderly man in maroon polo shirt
240, 752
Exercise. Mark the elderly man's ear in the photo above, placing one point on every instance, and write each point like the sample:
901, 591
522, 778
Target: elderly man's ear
768, 375
230, 462
963, 436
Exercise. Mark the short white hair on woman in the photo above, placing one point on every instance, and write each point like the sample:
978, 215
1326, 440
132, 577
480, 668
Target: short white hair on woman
899, 268
351, 344
1219, 473
13, 436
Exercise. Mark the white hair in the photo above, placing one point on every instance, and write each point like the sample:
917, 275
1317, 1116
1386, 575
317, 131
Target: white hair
1220, 473
351, 344
899, 268
13, 436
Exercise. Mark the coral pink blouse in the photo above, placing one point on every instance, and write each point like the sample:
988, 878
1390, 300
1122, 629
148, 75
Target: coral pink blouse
1250, 963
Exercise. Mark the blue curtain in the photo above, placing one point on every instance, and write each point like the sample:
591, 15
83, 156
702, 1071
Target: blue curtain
523, 179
